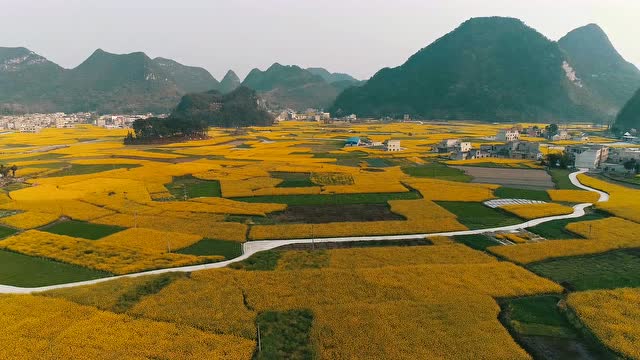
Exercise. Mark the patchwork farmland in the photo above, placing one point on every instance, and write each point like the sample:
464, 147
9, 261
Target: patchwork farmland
364, 281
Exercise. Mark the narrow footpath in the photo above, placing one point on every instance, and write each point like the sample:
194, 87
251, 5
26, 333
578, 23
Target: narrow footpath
251, 247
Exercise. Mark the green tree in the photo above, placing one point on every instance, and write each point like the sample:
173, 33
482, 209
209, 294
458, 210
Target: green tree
631, 165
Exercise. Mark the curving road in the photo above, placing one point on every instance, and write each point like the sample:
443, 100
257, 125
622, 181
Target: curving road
252, 247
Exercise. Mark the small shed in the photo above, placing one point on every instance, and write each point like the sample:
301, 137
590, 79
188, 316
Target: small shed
353, 141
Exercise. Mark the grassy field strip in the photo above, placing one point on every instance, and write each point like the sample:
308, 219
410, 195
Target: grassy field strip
252, 247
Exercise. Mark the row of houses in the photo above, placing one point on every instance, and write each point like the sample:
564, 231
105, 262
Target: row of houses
309, 115
514, 134
463, 150
590, 156
388, 145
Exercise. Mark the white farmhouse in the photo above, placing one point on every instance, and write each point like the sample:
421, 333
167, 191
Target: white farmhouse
508, 135
589, 157
392, 145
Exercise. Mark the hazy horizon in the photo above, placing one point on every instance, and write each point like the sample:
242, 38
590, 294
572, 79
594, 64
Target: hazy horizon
351, 36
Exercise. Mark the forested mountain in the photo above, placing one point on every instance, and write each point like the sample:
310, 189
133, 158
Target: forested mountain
239, 108
487, 69
610, 78
230, 82
25, 80
331, 77
291, 87
104, 82
629, 116
188, 78
197, 111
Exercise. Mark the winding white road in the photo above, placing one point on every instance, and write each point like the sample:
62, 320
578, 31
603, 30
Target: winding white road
252, 247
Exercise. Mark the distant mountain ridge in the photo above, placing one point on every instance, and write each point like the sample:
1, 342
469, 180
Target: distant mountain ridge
104, 82
239, 108
188, 78
629, 116
493, 69
291, 87
610, 78
24, 76
230, 82
331, 77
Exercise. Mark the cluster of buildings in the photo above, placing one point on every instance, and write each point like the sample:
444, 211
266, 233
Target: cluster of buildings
33, 123
512, 147
560, 135
387, 145
589, 156
120, 121
602, 157
313, 115
308, 115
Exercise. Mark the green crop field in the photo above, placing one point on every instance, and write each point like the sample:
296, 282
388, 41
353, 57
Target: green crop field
610, 270
561, 178
437, 170
515, 193
77, 169
204, 247
265, 260
5, 231
556, 230
192, 187
28, 271
478, 242
338, 199
475, 215
285, 335
293, 179
542, 328
82, 229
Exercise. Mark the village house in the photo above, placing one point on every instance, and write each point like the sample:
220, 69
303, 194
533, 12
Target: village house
525, 150
392, 145
508, 135
29, 128
533, 131
452, 145
581, 137
561, 135
353, 142
620, 155
588, 156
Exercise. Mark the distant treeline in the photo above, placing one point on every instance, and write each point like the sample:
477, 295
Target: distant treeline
196, 112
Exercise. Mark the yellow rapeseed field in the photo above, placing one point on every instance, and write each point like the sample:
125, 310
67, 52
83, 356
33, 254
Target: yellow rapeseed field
29, 219
534, 211
573, 196
35, 327
421, 302
150, 240
623, 201
97, 255
384, 256
602, 235
613, 316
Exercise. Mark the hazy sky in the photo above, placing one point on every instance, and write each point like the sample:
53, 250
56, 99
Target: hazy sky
354, 36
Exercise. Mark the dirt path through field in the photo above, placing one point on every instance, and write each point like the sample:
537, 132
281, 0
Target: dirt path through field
520, 178
252, 247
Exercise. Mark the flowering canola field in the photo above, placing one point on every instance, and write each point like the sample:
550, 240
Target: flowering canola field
87, 174
420, 302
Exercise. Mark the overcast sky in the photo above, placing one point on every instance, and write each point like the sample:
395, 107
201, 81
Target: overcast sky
354, 36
